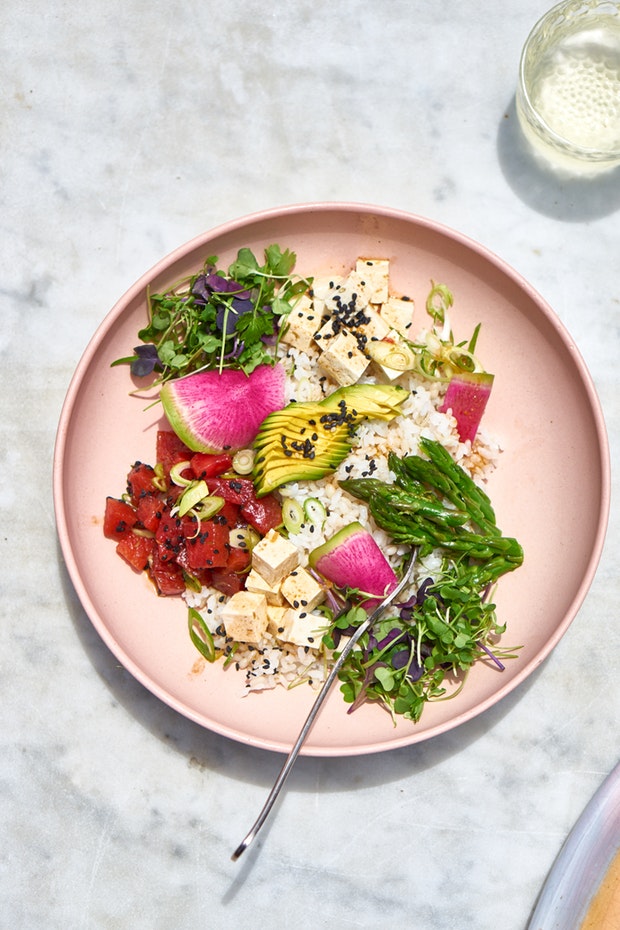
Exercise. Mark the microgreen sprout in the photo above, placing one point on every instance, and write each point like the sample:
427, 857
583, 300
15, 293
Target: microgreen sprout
218, 319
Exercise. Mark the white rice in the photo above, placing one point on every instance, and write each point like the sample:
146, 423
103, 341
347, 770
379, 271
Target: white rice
272, 663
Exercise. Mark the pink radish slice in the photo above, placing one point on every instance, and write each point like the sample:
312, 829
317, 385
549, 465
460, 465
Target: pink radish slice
466, 398
212, 411
352, 559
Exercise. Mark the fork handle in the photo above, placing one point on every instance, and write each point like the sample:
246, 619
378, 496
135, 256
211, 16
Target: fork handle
292, 756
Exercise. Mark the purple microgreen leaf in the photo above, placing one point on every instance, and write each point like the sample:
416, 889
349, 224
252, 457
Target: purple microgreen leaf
146, 361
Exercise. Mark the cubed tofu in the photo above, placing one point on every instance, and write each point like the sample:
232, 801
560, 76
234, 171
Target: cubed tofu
364, 322
327, 331
397, 312
257, 584
274, 557
323, 288
276, 623
341, 360
375, 273
301, 324
374, 326
303, 628
301, 590
245, 617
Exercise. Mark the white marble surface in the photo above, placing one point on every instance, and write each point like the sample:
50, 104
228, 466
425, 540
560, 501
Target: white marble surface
127, 128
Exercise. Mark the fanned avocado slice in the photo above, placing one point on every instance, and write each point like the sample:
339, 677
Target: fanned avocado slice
308, 440
381, 401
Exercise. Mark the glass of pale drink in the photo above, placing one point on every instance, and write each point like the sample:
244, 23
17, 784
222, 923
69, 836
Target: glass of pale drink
568, 95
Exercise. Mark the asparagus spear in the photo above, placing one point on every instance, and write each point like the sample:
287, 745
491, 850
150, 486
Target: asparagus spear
414, 511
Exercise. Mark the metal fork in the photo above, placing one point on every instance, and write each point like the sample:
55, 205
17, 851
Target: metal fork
292, 756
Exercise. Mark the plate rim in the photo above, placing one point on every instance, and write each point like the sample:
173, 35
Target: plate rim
198, 241
583, 861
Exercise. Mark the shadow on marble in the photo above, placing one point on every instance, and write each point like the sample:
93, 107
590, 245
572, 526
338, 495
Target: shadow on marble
561, 197
204, 749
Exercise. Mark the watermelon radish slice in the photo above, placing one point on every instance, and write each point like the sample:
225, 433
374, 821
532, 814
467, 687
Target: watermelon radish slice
466, 398
213, 411
353, 559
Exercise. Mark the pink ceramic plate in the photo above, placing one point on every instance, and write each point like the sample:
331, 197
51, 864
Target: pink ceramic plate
544, 410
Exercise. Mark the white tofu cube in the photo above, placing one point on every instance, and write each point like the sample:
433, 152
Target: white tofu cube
374, 326
320, 312
301, 324
274, 557
245, 617
302, 591
328, 331
323, 288
390, 374
397, 312
341, 360
276, 622
375, 274
355, 317
303, 629
257, 585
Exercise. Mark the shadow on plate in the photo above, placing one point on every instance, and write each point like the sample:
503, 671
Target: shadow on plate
204, 749
560, 196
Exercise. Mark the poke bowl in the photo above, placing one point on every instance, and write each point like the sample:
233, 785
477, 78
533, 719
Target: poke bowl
529, 454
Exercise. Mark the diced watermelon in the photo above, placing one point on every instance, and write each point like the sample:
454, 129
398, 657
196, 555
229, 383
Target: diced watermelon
140, 481
209, 466
226, 582
168, 576
209, 548
149, 511
136, 550
234, 490
238, 559
230, 514
119, 517
170, 450
263, 513
170, 538
172, 547
466, 397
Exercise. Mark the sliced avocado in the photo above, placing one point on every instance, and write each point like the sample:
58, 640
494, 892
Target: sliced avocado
292, 471
374, 400
306, 441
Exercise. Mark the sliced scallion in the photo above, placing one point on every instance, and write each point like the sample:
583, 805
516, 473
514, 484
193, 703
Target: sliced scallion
243, 537
315, 512
243, 461
200, 635
192, 582
231, 654
159, 480
396, 355
138, 531
193, 494
292, 515
176, 474
208, 507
